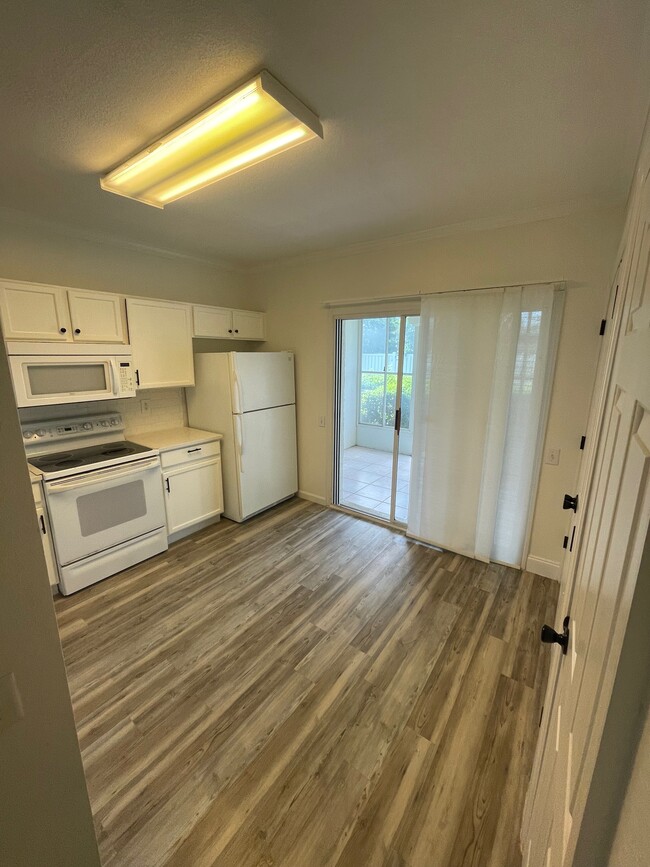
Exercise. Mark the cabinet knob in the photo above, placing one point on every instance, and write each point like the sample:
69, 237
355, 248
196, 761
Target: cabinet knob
230, 331
63, 330
77, 331
236, 330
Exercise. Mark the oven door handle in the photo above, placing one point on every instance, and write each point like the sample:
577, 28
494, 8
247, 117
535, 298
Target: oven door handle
102, 475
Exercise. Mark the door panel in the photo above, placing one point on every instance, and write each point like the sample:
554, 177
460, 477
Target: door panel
34, 313
600, 587
373, 424
262, 380
267, 457
96, 317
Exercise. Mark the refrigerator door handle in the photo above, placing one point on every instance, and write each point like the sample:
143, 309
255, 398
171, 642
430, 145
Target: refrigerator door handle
238, 392
240, 442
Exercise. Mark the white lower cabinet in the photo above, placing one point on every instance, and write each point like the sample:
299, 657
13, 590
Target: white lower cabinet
46, 536
193, 487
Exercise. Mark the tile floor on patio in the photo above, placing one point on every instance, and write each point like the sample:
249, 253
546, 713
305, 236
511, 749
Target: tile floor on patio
365, 482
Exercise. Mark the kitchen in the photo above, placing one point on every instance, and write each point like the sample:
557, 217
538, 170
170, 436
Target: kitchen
141, 482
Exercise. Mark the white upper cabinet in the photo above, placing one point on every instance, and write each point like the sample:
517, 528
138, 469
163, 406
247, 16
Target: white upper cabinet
39, 312
248, 325
34, 312
96, 317
224, 323
212, 321
160, 334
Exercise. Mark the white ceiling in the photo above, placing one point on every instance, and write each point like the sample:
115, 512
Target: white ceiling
434, 113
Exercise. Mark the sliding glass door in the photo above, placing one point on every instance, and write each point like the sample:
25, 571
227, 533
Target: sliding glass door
374, 387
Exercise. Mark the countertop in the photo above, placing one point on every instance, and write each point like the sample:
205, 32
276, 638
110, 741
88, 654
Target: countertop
174, 438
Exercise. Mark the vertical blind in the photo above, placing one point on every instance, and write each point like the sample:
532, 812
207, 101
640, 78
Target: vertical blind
483, 365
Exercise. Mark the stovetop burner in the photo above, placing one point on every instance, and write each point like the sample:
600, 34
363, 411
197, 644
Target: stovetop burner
88, 456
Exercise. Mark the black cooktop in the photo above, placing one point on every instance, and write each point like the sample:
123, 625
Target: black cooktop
88, 456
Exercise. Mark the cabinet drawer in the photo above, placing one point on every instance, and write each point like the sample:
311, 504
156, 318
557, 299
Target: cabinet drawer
189, 453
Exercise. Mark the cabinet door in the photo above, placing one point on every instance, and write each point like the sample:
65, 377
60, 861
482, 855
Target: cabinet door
160, 333
34, 312
96, 317
212, 321
248, 325
44, 528
193, 493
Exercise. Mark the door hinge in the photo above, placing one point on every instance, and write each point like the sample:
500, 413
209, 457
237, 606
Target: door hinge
603, 326
566, 542
583, 440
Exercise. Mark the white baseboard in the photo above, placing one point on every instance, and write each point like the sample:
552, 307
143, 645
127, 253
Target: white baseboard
313, 498
541, 566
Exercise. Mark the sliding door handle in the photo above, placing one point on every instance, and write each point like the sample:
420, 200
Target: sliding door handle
398, 420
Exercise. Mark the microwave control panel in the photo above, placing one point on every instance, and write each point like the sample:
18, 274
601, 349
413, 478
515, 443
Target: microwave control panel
127, 379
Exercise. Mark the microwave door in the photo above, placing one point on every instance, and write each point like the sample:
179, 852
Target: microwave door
44, 380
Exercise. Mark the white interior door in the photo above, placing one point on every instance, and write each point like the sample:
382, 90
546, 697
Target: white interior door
266, 450
597, 600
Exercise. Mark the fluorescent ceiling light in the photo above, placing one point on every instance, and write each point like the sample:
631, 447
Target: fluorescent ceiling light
256, 121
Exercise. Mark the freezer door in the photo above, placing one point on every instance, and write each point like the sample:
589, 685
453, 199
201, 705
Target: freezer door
262, 380
266, 449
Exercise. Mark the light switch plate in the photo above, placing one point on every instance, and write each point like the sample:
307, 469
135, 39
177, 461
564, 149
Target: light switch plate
11, 706
552, 456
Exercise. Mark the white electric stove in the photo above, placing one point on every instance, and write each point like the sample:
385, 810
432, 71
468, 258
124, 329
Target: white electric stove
103, 495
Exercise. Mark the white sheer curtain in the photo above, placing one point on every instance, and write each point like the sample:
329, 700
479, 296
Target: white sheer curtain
482, 369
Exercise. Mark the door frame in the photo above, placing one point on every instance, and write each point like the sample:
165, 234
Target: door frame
617, 307
361, 310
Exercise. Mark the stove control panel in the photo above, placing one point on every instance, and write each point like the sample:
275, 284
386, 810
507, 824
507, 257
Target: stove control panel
67, 428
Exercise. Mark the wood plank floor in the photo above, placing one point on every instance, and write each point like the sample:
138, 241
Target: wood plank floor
307, 689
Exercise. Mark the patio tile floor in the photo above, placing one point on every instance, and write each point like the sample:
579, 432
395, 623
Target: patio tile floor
365, 482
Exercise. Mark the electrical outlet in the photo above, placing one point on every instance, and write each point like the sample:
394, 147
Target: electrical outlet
145, 407
11, 706
321, 421
552, 456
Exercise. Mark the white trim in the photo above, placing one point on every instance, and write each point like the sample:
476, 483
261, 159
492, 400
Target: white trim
542, 566
341, 304
313, 498
535, 215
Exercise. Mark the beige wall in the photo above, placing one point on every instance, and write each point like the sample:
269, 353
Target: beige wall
580, 249
46, 256
631, 847
44, 815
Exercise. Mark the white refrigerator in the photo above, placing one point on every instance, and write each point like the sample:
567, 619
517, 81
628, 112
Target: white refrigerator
249, 397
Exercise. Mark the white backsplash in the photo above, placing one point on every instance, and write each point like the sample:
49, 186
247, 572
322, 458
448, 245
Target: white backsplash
166, 410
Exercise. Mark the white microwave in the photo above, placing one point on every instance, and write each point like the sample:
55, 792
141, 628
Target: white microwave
49, 373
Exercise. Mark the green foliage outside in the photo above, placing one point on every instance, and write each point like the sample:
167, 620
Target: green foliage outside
372, 399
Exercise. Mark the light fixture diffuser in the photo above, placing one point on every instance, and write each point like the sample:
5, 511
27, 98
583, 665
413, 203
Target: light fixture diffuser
258, 120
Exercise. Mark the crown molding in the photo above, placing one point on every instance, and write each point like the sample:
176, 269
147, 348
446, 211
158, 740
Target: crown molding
536, 215
20, 218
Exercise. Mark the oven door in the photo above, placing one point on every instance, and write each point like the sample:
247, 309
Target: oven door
94, 511
43, 380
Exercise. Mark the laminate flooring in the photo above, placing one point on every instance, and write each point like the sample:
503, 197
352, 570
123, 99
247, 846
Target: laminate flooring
307, 689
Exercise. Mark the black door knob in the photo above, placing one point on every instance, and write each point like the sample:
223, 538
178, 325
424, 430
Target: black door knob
63, 330
550, 636
570, 502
